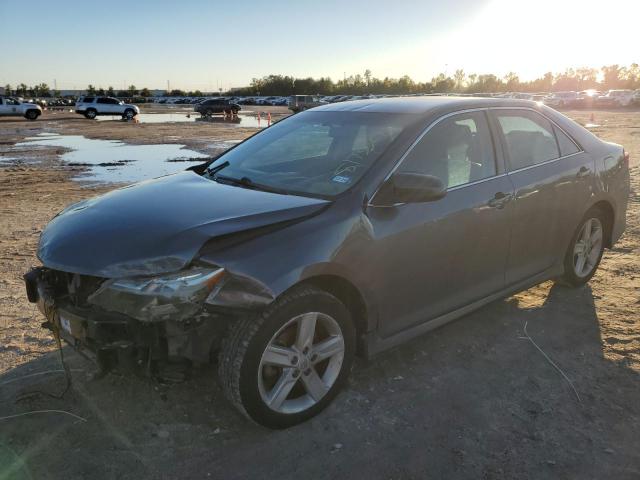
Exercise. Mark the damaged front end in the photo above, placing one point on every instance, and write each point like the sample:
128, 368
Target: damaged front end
143, 324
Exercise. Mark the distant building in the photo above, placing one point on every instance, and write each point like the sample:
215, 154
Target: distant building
1, 90
71, 93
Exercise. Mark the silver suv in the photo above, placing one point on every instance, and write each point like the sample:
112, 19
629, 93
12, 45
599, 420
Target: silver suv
12, 107
92, 106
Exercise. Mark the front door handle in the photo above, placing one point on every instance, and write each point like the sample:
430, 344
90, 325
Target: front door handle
499, 200
584, 172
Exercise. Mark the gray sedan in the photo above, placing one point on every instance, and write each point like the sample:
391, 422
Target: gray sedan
343, 230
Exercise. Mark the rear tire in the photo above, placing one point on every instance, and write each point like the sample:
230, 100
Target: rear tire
288, 364
586, 248
91, 114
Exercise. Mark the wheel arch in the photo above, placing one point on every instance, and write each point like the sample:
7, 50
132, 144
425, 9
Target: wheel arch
607, 208
350, 296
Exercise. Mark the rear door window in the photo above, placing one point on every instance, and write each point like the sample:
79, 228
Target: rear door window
528, 137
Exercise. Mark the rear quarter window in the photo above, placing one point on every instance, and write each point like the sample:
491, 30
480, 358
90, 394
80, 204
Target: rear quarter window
567, 146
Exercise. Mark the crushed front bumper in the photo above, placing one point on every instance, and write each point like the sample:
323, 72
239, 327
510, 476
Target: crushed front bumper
117, 341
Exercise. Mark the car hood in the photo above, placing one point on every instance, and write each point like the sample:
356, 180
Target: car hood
159, 225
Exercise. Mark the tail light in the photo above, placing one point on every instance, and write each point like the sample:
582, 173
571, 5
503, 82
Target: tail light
626, 157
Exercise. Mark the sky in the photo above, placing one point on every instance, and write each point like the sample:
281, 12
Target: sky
209, 44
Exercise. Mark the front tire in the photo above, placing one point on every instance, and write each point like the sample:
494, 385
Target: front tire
288, 364
129, 114
586, 248
32, 115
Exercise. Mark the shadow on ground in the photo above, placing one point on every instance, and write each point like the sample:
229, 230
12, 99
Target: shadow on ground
473, 399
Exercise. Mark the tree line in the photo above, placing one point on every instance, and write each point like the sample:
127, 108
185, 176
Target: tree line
606, 78
42, 90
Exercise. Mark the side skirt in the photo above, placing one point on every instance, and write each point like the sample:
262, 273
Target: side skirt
375, 344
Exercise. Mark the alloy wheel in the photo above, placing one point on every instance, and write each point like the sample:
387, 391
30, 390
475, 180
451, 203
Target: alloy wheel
588, 247
301, 363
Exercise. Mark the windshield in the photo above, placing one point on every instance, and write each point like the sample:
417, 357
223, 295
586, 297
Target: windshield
315, 153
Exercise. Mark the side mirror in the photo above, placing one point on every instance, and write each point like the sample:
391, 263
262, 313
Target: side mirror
416, 188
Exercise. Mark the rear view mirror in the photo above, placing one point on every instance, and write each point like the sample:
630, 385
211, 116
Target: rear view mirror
416, 188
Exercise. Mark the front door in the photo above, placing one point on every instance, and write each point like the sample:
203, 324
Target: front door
433, 258
9, 106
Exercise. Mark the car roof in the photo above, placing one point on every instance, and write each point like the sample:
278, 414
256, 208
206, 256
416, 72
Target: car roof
421, 105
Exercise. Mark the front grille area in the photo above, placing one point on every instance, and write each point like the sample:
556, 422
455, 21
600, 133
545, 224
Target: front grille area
71, 288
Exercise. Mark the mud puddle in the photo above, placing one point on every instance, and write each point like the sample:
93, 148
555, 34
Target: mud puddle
249, 120
112, 161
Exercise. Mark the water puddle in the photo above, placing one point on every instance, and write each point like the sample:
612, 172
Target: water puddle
223, 144
251, 121
112, 161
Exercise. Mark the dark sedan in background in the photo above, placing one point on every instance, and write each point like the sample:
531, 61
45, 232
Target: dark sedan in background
217, 105
343, 230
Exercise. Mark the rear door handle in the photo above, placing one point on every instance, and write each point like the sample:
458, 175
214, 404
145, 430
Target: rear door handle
499, 200
584, 171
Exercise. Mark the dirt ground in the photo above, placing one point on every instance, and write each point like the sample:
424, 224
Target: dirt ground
474, 399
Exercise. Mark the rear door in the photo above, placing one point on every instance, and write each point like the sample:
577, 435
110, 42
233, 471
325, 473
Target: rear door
102, 105
433, 258
552, 179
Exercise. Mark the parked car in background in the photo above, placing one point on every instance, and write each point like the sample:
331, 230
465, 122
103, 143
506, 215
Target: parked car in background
561, 99
335, 232
299, 103
12, 107
217, 105
616, 98
636, 97
92, 106
522, 96
588, 98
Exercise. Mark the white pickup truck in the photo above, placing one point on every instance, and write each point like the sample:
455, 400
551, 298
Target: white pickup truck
92, 106
12, 107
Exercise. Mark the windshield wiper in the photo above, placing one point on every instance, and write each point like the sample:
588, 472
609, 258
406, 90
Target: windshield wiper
217, 168
246, 182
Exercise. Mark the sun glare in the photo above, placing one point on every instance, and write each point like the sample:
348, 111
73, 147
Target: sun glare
531, 38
